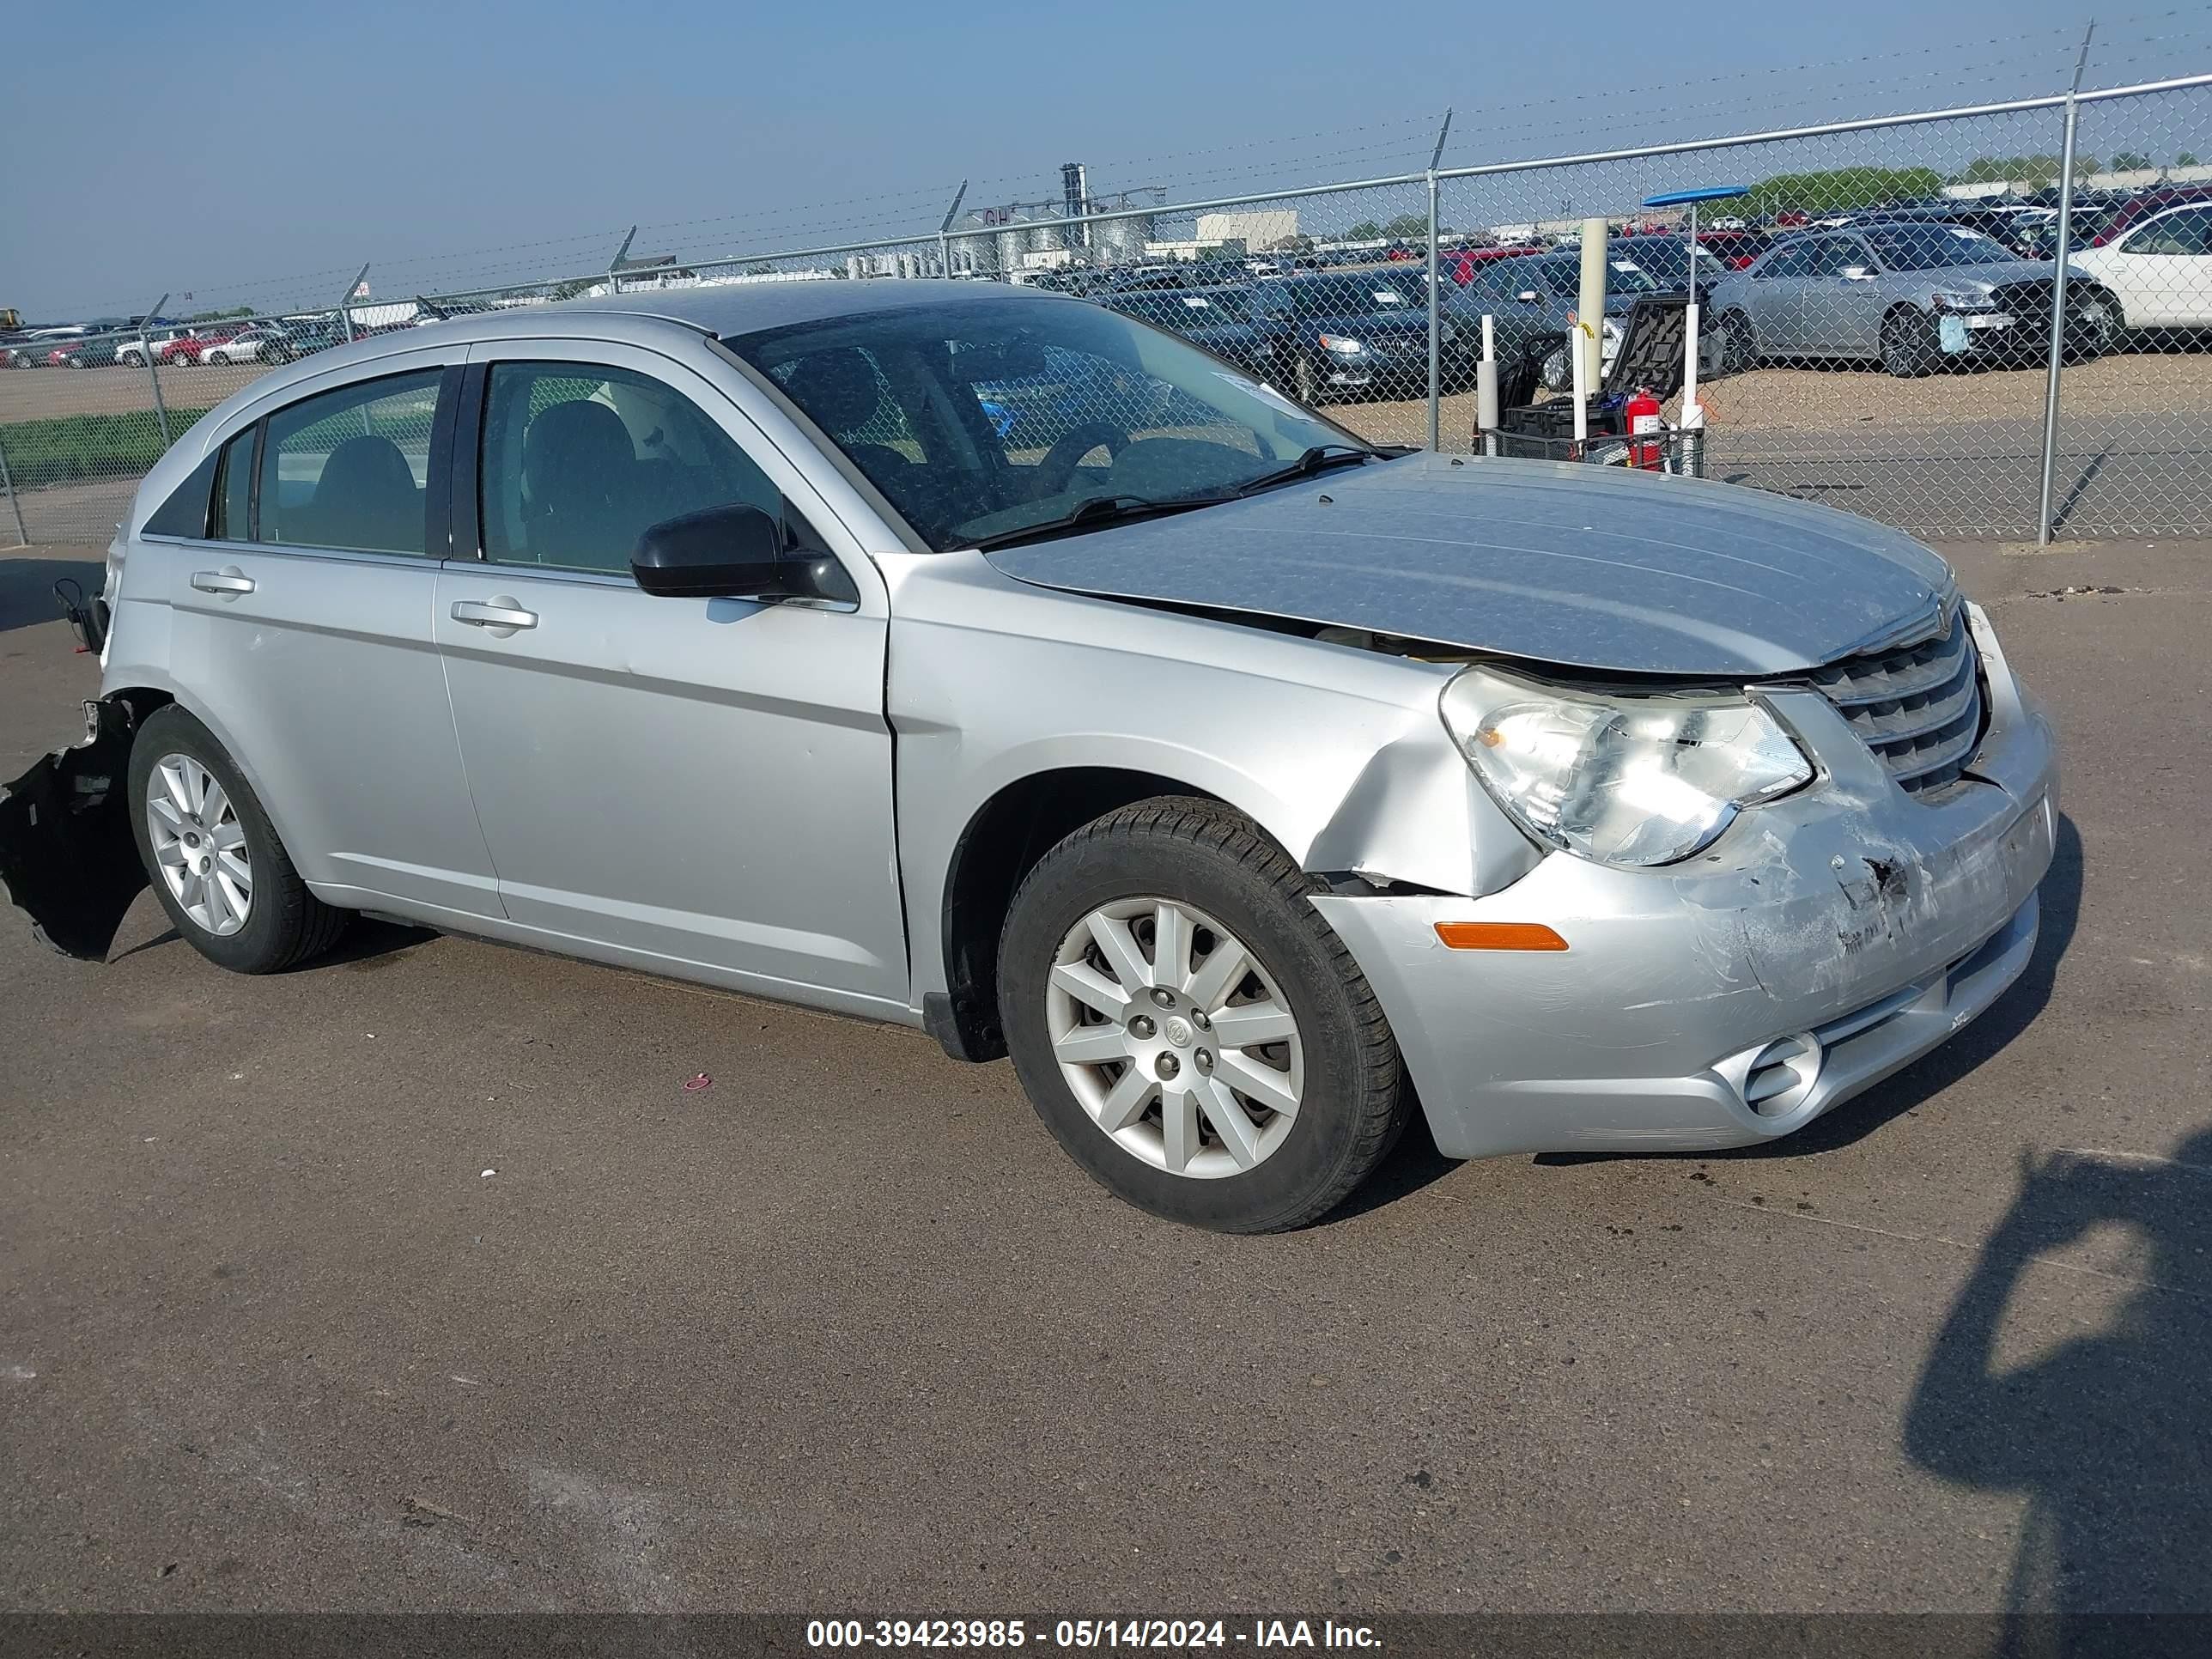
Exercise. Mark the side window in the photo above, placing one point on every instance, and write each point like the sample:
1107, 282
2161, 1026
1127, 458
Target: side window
346, 469
1842, 252
232, 519
2181, 233
579, 460
1790, 262
185, 511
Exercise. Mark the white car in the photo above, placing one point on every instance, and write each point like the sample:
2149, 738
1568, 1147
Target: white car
249, 345
2160, 269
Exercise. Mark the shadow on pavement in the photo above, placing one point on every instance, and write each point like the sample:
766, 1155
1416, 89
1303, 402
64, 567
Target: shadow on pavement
2108, 1436
27, 588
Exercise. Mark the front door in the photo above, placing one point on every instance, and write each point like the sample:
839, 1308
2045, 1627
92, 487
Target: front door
700, 786
2163, 272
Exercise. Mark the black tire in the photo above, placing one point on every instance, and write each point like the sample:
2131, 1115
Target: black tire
285, 924
1738, 343
1204, 855
132, 360
1910, 347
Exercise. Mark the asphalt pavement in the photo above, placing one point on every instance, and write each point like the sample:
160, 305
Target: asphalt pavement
417, 1279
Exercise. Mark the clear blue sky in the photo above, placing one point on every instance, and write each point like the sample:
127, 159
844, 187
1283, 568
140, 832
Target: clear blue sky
206, 147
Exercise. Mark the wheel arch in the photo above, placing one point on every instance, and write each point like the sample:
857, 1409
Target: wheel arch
1000, 843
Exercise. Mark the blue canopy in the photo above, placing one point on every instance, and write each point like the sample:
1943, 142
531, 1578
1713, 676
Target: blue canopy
1707, 193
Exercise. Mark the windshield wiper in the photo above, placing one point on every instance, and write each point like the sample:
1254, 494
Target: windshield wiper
1316, 460
1098, 510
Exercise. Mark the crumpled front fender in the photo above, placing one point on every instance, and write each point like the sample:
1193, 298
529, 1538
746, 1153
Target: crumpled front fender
68, 860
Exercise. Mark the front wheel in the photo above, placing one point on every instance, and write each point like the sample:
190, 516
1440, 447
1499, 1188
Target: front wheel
1739, 345
1187, 1026
213, 857
132, 360
1909, 345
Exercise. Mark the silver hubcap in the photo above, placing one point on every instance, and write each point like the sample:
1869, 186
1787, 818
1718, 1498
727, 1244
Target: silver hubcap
199, 844
1174, 1038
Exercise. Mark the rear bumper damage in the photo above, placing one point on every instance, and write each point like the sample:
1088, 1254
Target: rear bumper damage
68, 860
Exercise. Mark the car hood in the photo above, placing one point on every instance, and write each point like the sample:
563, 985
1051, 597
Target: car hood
1997, 276
1558, 563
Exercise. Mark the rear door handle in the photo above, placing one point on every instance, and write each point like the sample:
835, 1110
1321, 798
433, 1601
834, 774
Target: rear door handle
229, 581
501, 612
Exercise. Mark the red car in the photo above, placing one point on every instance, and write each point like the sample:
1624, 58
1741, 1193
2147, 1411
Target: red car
187, 347
1733, 248
2139, 206
1463, 264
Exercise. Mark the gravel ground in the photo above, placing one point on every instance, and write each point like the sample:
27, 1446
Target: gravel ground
846, 1331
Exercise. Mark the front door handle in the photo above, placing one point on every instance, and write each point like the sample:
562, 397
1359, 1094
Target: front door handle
229, 581
500, 613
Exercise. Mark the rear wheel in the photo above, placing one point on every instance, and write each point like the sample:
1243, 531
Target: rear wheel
1909, 345
1190, 1030
132, 360
217, 866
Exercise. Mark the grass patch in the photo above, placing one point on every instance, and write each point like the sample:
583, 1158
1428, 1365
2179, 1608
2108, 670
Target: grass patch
71, 448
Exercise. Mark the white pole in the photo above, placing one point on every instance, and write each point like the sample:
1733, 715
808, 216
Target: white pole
1580, 362
1591, 306
1689, 323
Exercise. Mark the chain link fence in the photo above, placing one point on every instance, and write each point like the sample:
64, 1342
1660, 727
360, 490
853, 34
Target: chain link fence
1878, 311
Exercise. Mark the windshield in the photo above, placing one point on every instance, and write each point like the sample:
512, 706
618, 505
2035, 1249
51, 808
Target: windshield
978, 418
1932, 247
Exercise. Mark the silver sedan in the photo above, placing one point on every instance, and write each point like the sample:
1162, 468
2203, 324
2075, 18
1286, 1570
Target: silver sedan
984, 661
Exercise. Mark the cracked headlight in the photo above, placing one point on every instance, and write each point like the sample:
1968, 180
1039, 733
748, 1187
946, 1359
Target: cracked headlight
1620, 780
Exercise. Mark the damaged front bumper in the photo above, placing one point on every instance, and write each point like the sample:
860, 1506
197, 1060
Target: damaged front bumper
68, 859
1825, 941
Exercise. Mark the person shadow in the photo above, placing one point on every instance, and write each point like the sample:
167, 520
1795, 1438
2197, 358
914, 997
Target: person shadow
2109, 1435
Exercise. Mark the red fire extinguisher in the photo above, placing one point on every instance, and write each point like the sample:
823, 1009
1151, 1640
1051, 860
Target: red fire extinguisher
1643, 412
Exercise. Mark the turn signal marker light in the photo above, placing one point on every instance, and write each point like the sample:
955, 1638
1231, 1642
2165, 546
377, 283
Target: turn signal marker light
1498, 936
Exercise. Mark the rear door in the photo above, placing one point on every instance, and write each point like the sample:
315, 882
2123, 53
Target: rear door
301, 633
1772, 297
699, 786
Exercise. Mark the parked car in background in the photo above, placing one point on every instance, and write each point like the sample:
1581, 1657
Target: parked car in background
1251, 786
259, 342
1666, 261
1463, 264
1909, 295
131, 348
1221, 319
1355, 333
1733, 246
2016, 229
2158, 270
2108, 225
1534, 302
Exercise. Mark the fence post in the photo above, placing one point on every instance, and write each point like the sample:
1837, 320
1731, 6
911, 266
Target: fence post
345, 311
8, 486
615, 265
1435, 298
2058, 293
153, 373
945, 232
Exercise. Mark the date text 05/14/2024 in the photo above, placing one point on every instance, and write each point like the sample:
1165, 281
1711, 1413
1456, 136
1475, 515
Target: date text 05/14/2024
1086, 1634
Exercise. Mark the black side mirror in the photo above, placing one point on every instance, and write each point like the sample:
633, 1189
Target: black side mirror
729, 552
